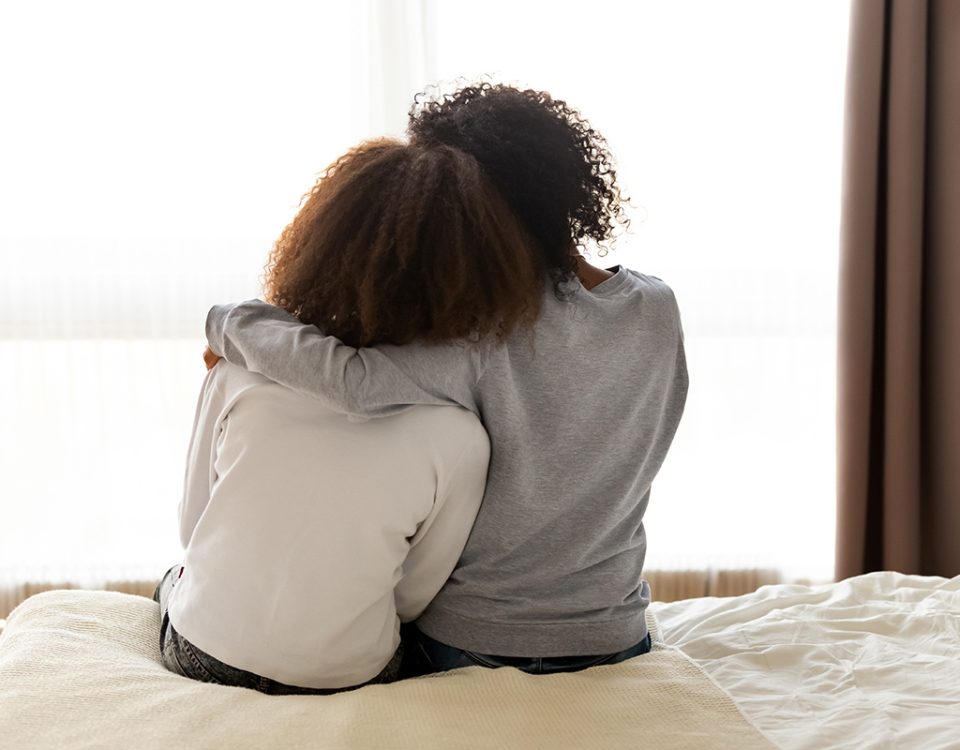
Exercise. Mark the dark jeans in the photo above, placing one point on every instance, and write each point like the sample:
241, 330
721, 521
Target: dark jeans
183, 658
425, 655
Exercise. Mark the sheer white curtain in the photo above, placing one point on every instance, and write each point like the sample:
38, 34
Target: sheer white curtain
151, 154
726, 121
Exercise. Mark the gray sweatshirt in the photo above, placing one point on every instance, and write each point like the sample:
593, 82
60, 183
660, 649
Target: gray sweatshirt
580, 412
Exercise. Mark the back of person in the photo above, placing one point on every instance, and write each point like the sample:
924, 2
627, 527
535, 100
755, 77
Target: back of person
580, 414
306, 534
581, 408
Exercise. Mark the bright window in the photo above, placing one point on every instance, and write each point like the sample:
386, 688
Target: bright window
151, 154
726, 122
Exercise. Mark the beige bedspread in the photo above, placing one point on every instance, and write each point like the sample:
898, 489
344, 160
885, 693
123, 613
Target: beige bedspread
80, 669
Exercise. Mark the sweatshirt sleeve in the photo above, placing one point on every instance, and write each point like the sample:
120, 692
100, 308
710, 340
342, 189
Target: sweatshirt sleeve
438, 543
200, 474
366, 382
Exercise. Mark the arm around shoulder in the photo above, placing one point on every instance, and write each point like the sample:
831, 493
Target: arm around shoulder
367, 382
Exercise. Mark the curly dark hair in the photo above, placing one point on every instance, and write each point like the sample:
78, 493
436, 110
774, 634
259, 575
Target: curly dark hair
554, 169
399, 242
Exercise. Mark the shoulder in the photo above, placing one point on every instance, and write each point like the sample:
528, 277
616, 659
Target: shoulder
452, 430
652, 284
233, 380
229, 386
453, 421
655, 295
462, 451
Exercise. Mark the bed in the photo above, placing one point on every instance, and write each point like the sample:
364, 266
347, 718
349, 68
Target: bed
872, 662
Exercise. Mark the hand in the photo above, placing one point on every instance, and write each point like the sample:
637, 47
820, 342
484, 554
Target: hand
210, 359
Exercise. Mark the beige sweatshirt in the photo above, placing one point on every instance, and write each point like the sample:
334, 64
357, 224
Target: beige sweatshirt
308, 536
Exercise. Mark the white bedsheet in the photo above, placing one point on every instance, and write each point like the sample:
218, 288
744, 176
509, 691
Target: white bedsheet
870, 662
80, 670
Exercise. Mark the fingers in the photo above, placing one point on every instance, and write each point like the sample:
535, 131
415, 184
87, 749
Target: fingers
210, 359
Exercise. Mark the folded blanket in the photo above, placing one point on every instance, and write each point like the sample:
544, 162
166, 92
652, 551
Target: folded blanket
81, 669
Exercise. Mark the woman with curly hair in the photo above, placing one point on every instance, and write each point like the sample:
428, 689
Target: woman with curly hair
307, 534
580, 409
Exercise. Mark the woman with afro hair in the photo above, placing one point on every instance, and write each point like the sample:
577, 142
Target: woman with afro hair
580, 407
293, 539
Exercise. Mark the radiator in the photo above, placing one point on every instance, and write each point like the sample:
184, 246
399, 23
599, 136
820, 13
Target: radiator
671, 585
665, 585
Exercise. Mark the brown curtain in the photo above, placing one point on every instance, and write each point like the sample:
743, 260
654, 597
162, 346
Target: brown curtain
898, 386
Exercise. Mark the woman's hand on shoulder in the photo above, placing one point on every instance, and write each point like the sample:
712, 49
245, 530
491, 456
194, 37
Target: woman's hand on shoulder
210, 359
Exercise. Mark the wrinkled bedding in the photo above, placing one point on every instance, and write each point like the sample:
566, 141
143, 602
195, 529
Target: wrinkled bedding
81, 669
870, 662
